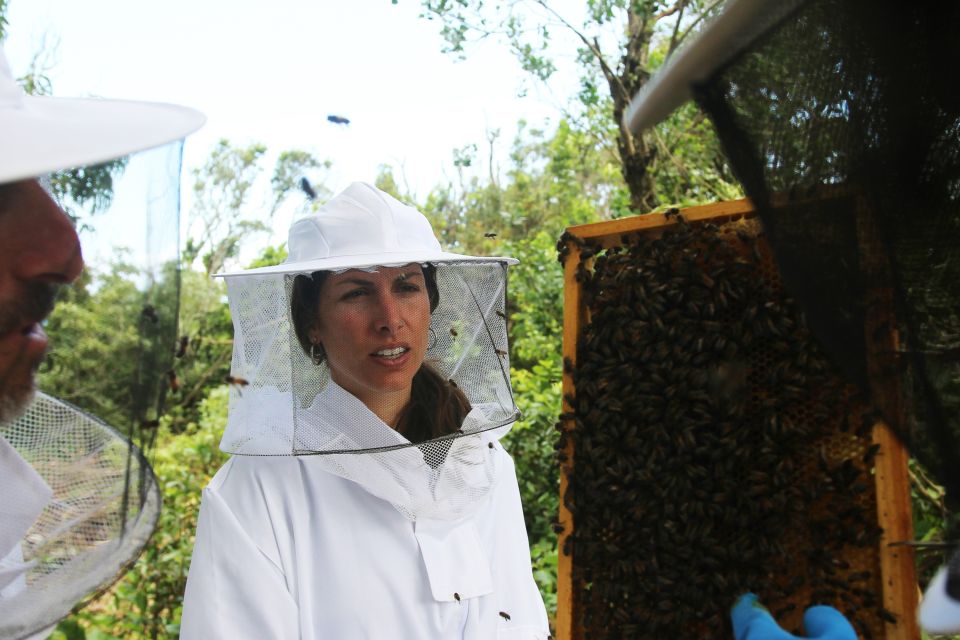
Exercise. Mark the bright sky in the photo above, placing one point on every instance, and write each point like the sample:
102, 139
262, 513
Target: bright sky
272, 72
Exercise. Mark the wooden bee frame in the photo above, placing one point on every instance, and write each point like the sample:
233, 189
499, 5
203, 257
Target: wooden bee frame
894, 564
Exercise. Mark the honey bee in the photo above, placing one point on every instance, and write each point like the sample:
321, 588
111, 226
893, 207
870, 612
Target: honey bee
182, 346
174, 381
453, 332
149, 425
489, 234
501, 353
501, 314
505, 615
150, 313
238, 382
456, 596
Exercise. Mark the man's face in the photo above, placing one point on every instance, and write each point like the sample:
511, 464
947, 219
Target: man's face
39, 250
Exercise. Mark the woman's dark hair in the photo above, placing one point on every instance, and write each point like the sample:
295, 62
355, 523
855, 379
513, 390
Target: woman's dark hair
437, 407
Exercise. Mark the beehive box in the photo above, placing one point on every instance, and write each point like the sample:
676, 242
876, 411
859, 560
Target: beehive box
708, 447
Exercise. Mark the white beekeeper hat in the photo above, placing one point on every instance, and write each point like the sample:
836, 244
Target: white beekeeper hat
39, 135
362, 227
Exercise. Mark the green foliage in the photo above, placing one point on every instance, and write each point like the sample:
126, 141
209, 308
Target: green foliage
3, 19
386, 181
96, 327
291, 166
224, 212
147, 601
531, 443
639, 29
221, 190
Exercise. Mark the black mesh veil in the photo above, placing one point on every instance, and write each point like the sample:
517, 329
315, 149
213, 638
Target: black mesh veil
843, 124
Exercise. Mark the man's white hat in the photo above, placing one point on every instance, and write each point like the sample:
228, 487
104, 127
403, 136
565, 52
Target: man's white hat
39, 135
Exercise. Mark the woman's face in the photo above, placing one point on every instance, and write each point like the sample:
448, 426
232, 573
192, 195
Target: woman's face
374, 328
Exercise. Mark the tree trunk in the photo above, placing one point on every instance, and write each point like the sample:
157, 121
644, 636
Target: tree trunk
637, 156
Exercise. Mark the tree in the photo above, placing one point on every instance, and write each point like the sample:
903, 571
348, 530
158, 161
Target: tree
223, 189
527, 27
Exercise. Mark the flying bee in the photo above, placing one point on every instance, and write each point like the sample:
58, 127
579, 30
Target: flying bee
501, 314
489, 234
453, 384
174, 381
307, 189
453, 332
150, 313
505, 615
182, 346
501, 353
456, 596
239, 382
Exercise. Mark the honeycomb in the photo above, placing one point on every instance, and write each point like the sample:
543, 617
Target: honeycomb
709, 448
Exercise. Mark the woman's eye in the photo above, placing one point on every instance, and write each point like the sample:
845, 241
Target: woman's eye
355, 293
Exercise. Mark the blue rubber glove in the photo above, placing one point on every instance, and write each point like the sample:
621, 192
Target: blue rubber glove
752, 622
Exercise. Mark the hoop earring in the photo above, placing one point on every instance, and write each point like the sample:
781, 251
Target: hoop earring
317, 354
433, 338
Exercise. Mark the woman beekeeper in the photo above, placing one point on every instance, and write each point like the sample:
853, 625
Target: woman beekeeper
372, 498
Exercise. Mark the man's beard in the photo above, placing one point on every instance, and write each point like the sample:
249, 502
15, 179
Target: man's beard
13, 402
17, 386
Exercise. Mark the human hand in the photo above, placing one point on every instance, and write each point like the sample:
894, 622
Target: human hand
751, 621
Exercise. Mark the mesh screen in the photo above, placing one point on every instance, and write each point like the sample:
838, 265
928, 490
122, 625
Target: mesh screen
104, 507
276, 384
856, 97
281, 403
127, 215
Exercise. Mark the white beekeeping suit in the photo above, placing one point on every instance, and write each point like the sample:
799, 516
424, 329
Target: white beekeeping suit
330, 523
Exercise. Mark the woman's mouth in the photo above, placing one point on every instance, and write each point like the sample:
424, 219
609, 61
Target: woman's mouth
391, 354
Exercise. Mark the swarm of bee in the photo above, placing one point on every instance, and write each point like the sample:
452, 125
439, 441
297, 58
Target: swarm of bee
715, 450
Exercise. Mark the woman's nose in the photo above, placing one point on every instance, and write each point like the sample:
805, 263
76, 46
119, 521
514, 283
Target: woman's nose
389, 316
47, 243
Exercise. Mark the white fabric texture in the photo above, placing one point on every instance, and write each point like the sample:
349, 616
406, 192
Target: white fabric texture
361, 227
401, 476
24, 497
285, 549
939, 612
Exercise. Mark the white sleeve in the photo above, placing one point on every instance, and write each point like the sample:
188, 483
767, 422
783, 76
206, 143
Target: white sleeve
234, 590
